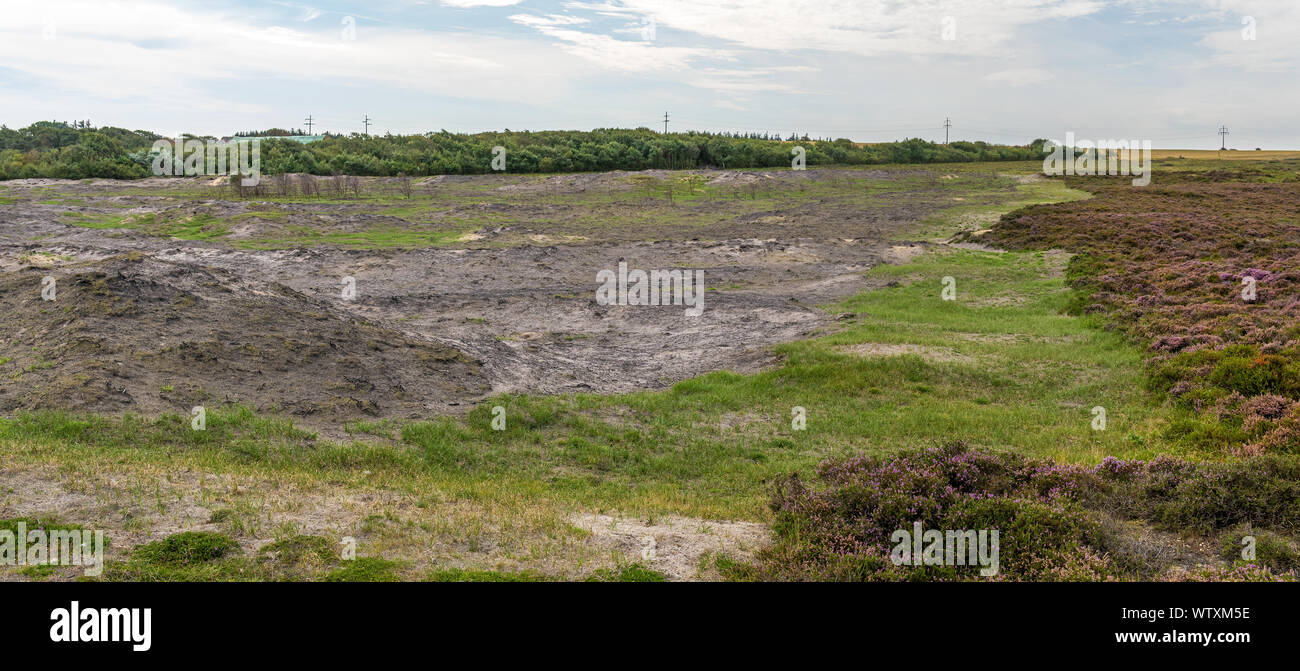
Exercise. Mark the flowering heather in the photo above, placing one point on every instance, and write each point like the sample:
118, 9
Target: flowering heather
1201, 497
1050, 516
842, 532
1169, 264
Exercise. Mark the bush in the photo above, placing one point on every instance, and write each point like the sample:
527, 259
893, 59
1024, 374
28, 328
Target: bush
1264, 491
1271, 550
844, 530
1054, 522
366, 569
186, 548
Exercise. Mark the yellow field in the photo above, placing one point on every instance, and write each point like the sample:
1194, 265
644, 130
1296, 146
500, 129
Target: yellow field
1229, 155
1219, 155
1203, 154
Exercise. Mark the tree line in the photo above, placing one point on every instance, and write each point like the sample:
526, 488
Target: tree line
76, 151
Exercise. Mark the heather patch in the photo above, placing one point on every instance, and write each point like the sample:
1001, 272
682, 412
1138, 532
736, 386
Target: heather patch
1264, 547
1203, 497
1203, 269
842, 529
1053, 520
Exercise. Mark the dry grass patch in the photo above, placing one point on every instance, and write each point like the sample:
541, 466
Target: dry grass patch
931, 354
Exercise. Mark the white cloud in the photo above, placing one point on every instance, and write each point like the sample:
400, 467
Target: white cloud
548, 20
1275, 25
745, 32
1019, 76
480, 3
616, 54
867, 69
863, 27
170, 56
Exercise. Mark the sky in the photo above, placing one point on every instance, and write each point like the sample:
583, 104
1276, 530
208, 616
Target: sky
1008, 71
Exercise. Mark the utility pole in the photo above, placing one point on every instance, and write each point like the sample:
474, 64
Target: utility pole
1223, 134
367, 122
665, 123
947, 123
308, 122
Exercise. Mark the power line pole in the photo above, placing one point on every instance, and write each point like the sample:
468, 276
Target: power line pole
308, 122
665, 123
947, 123
367, 122
1223, 135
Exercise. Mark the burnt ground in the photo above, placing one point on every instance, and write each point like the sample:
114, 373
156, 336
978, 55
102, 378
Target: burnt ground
150, 322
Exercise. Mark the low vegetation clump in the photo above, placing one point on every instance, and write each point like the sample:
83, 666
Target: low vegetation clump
476, 575
187, 548
366, 569
1272, 550
1205, 497
627, 573
300, 549
1055, 522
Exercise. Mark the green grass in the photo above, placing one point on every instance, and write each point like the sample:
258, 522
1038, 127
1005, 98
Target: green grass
193, 227
366, 569
469, 575
627, 573
374, 237
96, 221
981, 209
186, 548
196, 227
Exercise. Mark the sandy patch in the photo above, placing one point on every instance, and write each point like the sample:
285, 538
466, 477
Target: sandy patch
900, 254
674, 545
936, 354
40, 260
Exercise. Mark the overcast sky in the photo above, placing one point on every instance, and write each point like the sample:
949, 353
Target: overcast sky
1170, 71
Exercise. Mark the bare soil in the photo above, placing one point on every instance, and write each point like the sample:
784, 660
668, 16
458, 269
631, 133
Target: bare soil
152, 324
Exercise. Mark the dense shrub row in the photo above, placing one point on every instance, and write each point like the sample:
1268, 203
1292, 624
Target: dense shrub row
55, 149
50, 149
